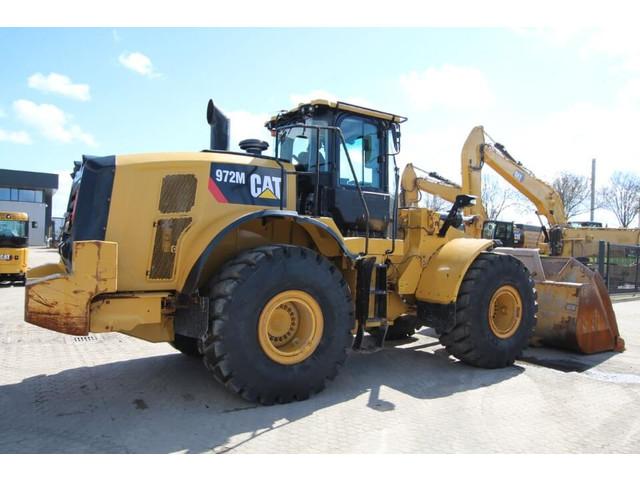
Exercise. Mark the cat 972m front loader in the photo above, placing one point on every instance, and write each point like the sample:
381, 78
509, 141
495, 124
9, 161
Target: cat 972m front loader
267, 266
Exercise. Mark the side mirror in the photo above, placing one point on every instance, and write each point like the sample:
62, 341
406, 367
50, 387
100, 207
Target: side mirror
395, 138
34, 224
461, 201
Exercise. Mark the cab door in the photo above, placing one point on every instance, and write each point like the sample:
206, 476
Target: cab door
364, 143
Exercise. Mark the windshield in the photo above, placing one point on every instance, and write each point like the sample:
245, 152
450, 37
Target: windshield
13, 228
305, 147
13, 233
488, 231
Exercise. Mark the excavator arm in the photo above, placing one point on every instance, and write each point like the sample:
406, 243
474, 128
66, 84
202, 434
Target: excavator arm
411, 186
477, 152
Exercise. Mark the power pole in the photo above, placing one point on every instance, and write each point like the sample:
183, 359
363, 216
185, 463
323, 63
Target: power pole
593, 187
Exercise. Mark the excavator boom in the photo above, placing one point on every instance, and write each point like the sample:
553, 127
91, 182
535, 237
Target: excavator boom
477, 152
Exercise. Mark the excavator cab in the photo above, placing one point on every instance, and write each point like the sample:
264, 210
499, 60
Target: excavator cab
319, 138
504, 232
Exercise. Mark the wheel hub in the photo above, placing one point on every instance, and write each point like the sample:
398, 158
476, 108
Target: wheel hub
290, 327
505, 311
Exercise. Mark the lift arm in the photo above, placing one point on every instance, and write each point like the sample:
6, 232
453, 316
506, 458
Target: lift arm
477, 152
412, 185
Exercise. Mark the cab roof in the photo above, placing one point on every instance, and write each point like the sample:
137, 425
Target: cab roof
347, 107
14, 216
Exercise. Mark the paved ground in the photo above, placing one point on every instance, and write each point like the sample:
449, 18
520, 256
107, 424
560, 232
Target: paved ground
112, 393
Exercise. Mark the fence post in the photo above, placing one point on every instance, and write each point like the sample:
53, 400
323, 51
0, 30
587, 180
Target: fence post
601, 258
635, 284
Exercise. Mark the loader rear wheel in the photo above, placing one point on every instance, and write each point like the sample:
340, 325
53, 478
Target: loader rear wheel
495, 312
281, 324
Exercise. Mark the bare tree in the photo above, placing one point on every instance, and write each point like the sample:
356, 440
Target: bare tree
433, 202
574, 190
495, 197
622, 196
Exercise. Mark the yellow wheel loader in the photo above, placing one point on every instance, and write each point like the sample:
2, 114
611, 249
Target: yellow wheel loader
271, 267
14, 240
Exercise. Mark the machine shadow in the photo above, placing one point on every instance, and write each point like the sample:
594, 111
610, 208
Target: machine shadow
563, 360
170, 403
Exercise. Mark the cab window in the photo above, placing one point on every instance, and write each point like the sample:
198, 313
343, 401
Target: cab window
306, 148
364, 148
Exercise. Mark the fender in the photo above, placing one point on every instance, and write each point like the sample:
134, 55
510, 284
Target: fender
441, 279
193, 279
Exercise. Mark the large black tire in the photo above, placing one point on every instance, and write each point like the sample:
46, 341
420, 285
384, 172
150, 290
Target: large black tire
186, 345
403, 327
473, 340
240, 291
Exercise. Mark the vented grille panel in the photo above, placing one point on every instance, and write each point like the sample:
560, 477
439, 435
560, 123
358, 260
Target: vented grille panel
178, 193
168, 231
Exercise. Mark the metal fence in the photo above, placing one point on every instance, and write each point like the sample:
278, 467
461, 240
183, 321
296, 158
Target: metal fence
619, 265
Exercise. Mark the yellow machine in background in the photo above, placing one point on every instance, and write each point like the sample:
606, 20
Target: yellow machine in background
14, 240
561, 238
266, 266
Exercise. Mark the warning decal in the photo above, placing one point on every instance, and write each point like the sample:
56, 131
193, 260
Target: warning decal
246, 184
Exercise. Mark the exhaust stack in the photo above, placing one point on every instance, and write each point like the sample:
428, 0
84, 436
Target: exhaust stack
219, 128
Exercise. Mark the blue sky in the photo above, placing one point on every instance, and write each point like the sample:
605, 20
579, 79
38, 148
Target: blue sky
555, 98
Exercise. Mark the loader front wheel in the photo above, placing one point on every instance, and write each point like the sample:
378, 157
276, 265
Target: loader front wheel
186, 345
281, 318
495, 312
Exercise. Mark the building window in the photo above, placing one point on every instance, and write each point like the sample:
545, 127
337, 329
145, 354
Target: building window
26, 196
21, 195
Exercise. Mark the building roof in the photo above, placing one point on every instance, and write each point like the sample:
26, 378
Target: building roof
24, 179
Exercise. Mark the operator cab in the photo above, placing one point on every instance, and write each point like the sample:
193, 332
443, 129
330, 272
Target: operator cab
501, 231
516, 235
328, 142
14, 230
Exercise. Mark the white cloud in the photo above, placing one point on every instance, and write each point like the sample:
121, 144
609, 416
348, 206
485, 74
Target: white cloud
139, 63
244, 125
298, 98
449, 86
61, 197
618, 42
51, 122
61, 84
20, 137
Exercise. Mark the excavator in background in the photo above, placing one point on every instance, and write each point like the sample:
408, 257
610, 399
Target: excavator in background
559, 237
510, 234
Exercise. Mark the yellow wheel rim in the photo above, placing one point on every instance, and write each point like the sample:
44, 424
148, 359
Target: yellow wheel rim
290, 327
505, 311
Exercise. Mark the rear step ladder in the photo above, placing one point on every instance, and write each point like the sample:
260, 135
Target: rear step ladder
364, 269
